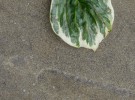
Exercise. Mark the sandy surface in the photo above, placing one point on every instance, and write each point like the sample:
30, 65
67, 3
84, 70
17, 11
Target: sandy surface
35, 64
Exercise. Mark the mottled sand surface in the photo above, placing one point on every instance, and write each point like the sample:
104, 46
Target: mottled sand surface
35, 64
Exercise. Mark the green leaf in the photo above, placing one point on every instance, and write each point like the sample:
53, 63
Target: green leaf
82, 23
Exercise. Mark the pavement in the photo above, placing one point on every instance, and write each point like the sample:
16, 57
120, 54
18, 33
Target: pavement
35, 64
